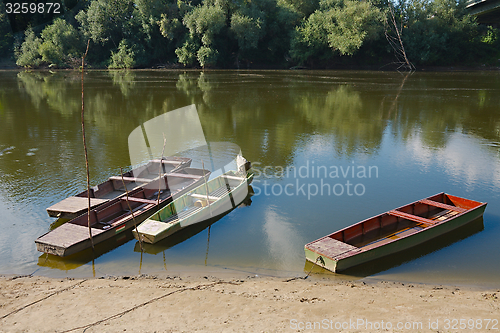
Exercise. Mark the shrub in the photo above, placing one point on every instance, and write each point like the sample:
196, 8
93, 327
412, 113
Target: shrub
27, 55
126, 57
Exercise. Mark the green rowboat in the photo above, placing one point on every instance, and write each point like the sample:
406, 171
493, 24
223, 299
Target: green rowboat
393, 231
225, 192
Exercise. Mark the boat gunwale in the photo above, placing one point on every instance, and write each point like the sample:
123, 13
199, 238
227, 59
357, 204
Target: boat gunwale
178, 162
359, 250
190, 192
244, 181
142, 210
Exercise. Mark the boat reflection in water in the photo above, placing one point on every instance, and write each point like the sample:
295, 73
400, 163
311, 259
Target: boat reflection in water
189, 231
83, 257
399, 258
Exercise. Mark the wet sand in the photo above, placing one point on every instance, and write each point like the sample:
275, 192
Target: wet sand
243, 304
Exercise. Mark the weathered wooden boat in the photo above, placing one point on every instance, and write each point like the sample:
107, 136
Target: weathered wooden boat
393, 231
225, 192
114, 216
113, 188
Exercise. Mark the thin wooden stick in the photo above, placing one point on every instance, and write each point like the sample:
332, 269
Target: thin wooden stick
206, 187
208, 244
393, 41
159, 176
131, 211
164, 260
86, 155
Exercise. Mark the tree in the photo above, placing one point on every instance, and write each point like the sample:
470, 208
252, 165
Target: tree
248, 27
6, 37
439, 32
27, 55
127, 55
204, 23
107, 21
60, 43
338, 26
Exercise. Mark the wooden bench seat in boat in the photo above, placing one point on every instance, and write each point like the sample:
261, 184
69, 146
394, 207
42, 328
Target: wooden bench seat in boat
233, 177
203, 196
164, 161
74, 205
442, 205
182, 175
411, 217
131, 179
134, 199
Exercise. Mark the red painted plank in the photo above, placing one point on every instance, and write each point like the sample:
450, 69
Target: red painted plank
411, 217
134, 199
442, 205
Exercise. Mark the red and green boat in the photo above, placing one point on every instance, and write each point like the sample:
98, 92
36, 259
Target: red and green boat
119, 214
393, 231
114, 187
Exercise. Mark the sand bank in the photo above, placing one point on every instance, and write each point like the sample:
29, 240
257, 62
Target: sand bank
243, 304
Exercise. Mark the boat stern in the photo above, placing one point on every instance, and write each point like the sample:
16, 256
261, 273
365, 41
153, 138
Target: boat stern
151, 231
50, 249
320, 260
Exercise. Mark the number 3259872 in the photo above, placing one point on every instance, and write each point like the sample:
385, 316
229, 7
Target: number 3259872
40, 8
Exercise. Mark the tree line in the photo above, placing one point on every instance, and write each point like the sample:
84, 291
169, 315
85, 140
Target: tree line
249, 34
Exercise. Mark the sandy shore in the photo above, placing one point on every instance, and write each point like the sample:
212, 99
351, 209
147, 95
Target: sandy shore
248, 304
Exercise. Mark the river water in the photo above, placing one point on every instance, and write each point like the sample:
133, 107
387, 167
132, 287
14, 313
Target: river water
329, 148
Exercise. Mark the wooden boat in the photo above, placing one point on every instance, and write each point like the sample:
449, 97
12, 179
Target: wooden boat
224, 193
76, 205
393, 231
114, 216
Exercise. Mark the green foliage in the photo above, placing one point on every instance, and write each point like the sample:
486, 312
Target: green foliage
248, 29
6, 37
169, 28
125, 57
61, 43
107, 21
27, 55
491, 36
207, 56
205, 21
303, 7
439, 32
337, 27
279, 33
186, 54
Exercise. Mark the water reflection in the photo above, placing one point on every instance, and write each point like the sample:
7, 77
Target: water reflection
281, 237
426, 132
79, 259
355, 113
84, 257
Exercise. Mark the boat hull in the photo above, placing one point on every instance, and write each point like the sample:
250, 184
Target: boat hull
73, 236
358, 256
81, 233
152, 231
77, 205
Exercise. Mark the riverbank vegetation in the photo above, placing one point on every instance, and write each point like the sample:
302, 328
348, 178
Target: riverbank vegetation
249, 34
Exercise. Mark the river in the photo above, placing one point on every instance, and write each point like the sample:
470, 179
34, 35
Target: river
329, 148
